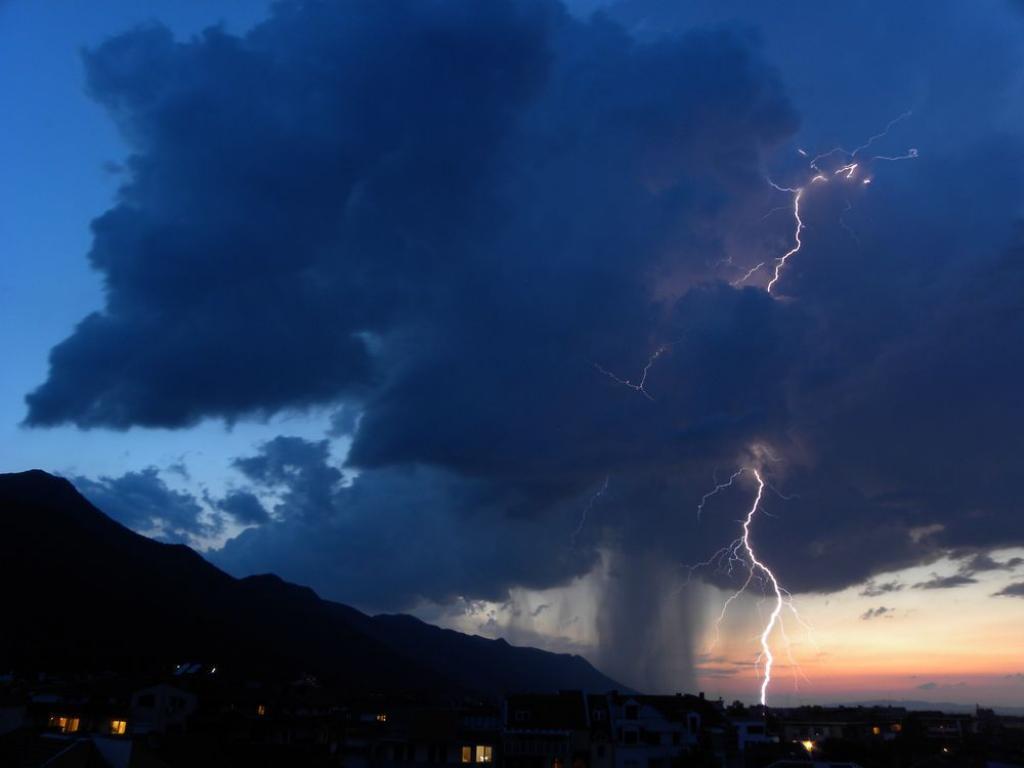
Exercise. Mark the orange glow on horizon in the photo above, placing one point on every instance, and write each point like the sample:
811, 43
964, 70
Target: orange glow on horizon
947, 645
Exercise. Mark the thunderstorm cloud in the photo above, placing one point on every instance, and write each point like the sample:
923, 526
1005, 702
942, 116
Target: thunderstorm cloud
446, 222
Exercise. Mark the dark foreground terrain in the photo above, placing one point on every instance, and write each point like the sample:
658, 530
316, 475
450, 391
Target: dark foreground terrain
82, 592
117, 651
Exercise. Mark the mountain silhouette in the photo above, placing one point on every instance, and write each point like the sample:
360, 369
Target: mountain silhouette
80, 592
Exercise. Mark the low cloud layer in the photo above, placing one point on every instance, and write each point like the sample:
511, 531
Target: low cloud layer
1012, 590
876, 613
946, 582
875, 589
143, 501
394, 535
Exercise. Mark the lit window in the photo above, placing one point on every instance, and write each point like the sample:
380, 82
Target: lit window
118, 727
382, 717
64, 724
484, 753
896, 728
876, 730
467, 754
260, 710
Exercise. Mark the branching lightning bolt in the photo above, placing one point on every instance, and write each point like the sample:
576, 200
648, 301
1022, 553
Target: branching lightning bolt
780, 262
756, 564
640, 385
740, 553
881, 134
715, 491
589, 506
847, 170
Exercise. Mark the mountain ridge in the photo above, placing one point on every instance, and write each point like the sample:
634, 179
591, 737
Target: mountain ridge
83, 590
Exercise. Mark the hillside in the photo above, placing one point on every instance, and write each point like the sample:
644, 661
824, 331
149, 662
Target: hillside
80, 591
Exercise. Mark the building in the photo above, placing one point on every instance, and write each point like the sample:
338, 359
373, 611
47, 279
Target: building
546, 731
651, 731
161, 708
817, 724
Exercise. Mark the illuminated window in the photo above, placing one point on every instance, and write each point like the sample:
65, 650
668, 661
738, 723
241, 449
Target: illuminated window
896, 728
260, 710
484, 753
64, 724
382, 717
876, 730
467, 754
118, 727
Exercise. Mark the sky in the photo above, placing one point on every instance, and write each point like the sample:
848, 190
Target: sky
456, 309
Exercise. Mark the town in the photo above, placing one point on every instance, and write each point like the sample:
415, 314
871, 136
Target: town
199, 714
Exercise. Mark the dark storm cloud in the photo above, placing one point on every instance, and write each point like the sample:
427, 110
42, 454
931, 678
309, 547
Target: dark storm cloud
280, 182
393, 535
143, 501
853, 66
447, 218
982, 563
344, 421
946, 582
244, 507
359, 196
1012, 590
299, 466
